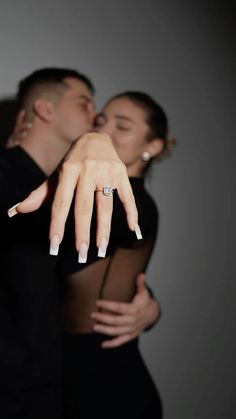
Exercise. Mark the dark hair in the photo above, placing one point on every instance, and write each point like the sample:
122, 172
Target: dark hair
155, 115
47, 79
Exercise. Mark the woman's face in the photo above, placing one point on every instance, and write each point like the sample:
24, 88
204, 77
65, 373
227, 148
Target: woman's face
125, 123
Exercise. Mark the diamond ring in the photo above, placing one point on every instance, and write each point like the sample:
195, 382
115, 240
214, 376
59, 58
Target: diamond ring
107, 190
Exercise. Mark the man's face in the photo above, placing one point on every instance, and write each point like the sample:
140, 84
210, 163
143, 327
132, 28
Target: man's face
74, 113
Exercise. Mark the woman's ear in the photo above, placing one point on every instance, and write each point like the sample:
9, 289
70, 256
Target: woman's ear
154, 147
43, 109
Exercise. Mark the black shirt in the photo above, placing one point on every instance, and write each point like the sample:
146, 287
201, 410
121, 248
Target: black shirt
29, 326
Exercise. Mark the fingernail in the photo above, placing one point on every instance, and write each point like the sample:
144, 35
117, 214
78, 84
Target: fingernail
54, 245
28, 124
12, 211
83, 252
138, 232
102, 247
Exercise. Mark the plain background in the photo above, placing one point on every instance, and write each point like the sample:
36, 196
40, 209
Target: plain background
183, 54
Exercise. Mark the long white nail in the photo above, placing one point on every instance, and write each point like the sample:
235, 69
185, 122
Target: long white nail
54, 245
12, 211
138, 232
83, 253
102, 247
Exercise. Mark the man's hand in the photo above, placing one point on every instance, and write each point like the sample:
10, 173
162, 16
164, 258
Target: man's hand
90, 164
126, 321
20, 130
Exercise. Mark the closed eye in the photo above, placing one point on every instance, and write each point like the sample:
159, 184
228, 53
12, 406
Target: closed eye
122, 128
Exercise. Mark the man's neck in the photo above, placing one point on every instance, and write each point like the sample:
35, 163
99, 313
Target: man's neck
45, 148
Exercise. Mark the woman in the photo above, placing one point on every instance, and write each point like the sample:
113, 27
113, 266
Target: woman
115, 383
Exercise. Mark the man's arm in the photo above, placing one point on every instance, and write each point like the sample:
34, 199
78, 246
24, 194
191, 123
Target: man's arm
125, 321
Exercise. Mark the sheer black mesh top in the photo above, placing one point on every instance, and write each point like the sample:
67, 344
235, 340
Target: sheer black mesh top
113, 277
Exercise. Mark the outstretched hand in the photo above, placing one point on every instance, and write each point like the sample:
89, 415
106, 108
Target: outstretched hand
90, 164
125, 321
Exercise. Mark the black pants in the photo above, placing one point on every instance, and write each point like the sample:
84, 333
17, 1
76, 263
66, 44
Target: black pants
106, 383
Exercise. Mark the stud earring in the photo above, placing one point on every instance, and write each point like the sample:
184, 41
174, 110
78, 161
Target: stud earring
146, 156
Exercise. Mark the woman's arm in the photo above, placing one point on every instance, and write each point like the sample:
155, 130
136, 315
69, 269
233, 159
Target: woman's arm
91, 164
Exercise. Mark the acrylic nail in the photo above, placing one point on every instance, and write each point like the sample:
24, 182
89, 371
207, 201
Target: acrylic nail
138, 232
54, 245
102, 248
12, 211
83, 252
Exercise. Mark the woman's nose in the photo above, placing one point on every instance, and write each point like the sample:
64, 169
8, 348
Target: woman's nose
105, 127
92, 115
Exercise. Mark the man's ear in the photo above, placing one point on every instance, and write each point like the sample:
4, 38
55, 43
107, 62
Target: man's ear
155, 147
43, 109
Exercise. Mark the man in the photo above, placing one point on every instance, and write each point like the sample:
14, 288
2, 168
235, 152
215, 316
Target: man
60, 104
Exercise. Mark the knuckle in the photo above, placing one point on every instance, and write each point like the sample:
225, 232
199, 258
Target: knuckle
89, 163
104, 168
68, 167
59, 203
120, 167
135, 311
104, 213
128, 195
83, 206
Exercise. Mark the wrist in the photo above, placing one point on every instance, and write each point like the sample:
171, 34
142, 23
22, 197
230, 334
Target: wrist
155, 313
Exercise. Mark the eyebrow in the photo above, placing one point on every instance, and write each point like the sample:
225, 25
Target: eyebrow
122, 117
126, 118
87, 98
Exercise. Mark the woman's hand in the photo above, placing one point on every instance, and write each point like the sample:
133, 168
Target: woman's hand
20, 130
125, 321
91, 164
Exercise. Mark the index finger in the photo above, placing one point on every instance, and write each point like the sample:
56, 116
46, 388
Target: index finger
62, 200
115, 307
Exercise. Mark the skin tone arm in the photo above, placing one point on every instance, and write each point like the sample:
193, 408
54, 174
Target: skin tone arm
125, 321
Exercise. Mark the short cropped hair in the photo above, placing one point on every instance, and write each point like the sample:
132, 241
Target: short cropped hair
48, 83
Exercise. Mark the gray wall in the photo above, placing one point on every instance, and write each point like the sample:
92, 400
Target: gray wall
182, 53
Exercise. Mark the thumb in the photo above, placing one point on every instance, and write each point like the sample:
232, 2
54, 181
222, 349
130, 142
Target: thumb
32, 202
140, 282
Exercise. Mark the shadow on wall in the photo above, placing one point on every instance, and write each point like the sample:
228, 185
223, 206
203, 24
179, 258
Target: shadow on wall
8, 111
